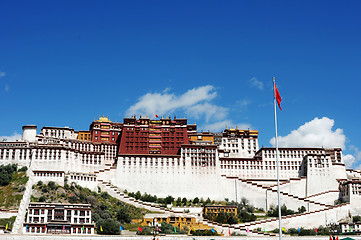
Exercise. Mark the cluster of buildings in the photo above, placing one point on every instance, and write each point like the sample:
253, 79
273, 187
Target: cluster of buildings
168, 156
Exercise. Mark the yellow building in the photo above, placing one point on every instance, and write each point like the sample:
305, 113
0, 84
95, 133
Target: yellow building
180, 221
220, 208
203, 137
84, 135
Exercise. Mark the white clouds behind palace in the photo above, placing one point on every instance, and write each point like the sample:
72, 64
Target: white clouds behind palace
318, 133
196, 102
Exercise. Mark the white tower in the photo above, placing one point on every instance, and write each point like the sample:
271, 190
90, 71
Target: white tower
29, 133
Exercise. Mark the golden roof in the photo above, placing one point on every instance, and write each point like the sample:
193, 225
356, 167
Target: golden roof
104, 119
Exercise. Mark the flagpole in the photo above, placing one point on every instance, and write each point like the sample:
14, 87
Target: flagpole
278, 179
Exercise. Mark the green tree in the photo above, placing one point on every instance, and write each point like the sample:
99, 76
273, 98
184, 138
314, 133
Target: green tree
245, 216
42, 199
51, 185
196, 200
204, 233
6, 173
138, 195
273, 211
178, 202
169, 199
23, 169
356, 219
109, 227
184, 201
105, 195
123, 216
301, 209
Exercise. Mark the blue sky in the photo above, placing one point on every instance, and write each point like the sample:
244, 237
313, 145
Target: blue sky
64, 63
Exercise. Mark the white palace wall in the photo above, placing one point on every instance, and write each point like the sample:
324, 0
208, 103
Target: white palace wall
163, 176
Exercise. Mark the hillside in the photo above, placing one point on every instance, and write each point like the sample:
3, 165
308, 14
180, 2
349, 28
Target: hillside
12, 186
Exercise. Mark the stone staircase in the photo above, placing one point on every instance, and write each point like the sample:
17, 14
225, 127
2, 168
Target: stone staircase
271, 189
301, 198
118, 194
108, 169
265, 222
287, 182
20, 217
321, 193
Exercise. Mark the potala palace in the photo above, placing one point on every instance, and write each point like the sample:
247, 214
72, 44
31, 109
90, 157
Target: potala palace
169, 157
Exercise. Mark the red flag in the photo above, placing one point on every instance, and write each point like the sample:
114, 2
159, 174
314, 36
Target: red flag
229, 230
156, 115
316, 230
278, 97
330, 238
336, 237
140, 229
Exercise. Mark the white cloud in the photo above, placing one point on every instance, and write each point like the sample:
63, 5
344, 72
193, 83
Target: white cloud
355, 158
2, 74
209, 111
7, 88
243, 103
254, 82
12, 138
316, 133
349, 160
195, 103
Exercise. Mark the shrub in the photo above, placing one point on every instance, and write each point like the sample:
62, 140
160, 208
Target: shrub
109, 227
42, 199
169, 199
168, 228
178, 202
204, 233
52, 185
23, 169
356, 219
137, 195
301, 209
273, 211
44, 189
123, 216
6, 173
292, 231
146, 231
245, 216
73, 199
104, 195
